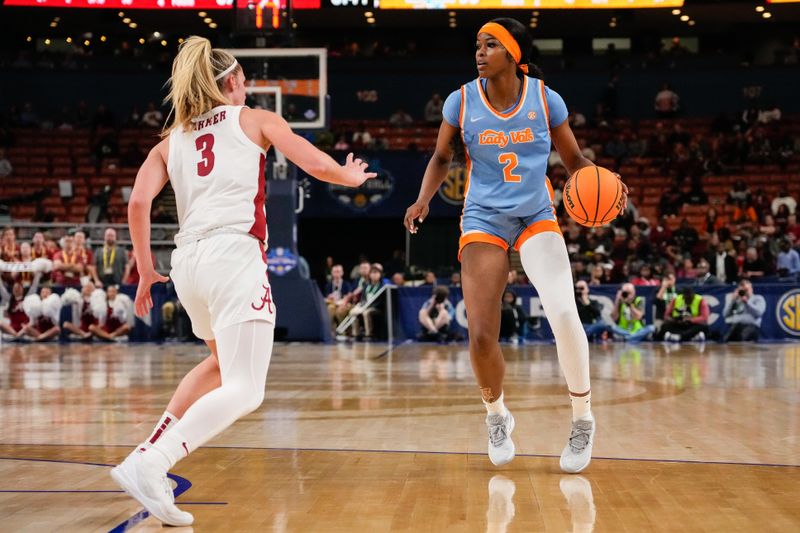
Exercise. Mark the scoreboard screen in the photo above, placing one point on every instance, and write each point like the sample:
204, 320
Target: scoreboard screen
126, 4
527, 4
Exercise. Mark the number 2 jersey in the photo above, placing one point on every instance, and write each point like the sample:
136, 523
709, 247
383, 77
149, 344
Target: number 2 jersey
506, 152
217, 173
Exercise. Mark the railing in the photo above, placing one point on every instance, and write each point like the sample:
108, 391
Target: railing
161, 234
348, 321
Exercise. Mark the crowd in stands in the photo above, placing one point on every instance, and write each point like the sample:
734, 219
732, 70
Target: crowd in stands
42, 275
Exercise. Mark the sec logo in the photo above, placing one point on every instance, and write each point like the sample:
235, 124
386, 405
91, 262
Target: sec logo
788, 312
453, 188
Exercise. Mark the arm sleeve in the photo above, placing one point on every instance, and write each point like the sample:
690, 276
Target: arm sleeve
452, 108
556, 106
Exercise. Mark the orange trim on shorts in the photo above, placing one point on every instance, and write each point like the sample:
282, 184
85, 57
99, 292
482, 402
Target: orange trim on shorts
478, 236
535, 229
517, 107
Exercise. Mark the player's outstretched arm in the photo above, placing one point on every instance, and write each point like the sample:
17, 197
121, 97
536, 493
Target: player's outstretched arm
307, 156
150, 180
435, 174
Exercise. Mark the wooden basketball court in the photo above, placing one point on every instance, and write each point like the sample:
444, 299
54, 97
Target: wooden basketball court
366, 438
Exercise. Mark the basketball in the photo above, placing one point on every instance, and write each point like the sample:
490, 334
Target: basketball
593, 196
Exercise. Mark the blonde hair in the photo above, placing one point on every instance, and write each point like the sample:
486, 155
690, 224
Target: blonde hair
194, 89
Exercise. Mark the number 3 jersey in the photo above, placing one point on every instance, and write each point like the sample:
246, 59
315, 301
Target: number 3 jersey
506, 152
218, 176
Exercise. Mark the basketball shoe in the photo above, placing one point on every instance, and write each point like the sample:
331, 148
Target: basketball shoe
578, 452
151, 488
501, 447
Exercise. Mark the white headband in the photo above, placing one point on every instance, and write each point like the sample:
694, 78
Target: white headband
226, 71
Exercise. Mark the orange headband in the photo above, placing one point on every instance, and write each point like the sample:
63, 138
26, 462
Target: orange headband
506, 39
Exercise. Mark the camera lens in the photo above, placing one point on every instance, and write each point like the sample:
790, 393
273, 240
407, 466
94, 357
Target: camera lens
742, 292
624, 294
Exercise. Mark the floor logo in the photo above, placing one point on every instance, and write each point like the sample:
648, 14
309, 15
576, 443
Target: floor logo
788, 312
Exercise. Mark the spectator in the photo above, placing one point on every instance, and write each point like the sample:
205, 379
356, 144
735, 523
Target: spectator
740, 192
577, 120
433, 109
82, 248
788, 260
589, 312
666, 293
685, 236
398, 279
370, 309
435, 316
80, 331
671, 201
753, 266
723, 266
10, 250
17, 322
38, 247
45, 327
400, 118
713, 223
792, 228
645, 277
513, 320
667, 102
5, 165
628, 315
341, 143
109, 261
703, 274
362, 138
783, 198
152, 118
68, 267
455, 279
429, 280
337, 296
743, 312
686, 318
114, 326
696, 195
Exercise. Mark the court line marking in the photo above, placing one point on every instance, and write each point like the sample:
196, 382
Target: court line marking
391, 348
182, 485
431, 452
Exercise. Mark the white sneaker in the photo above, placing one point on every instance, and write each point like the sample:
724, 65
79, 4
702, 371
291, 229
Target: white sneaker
700, 337
578, 452
501, 447
151, 488
672, 337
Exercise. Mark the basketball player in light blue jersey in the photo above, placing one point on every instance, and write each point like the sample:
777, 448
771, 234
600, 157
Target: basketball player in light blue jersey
507, 120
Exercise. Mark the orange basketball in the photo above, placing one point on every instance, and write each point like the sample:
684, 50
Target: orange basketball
593, 196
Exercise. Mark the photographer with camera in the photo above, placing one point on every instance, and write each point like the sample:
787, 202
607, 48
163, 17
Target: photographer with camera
743, 312
628, 315
686, 318
590, 312
435, 316
513, 320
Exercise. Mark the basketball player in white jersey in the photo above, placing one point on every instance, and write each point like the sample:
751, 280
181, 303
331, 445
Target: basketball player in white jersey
214, 158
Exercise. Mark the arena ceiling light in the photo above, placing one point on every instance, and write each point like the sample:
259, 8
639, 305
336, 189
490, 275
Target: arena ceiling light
676, 11
691, 23
141, 40
759, 9
202, 14
684, 18
133, 25
208, 20
213, 25
69, 40
126, 20
103, 38
766, 14
47, 42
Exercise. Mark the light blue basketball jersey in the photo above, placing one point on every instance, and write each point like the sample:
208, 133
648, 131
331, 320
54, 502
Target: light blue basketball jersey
507, 152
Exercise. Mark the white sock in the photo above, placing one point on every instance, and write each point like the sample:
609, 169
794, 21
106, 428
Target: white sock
496, 407
168, 450
581, 407
167, 421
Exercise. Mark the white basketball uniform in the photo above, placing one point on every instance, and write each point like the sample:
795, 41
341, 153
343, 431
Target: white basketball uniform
219, 267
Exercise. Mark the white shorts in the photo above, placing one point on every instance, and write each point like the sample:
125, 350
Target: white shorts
221, 280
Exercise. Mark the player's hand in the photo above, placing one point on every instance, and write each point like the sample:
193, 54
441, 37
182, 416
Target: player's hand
144, 303
418, 211
624, 194
355, 171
